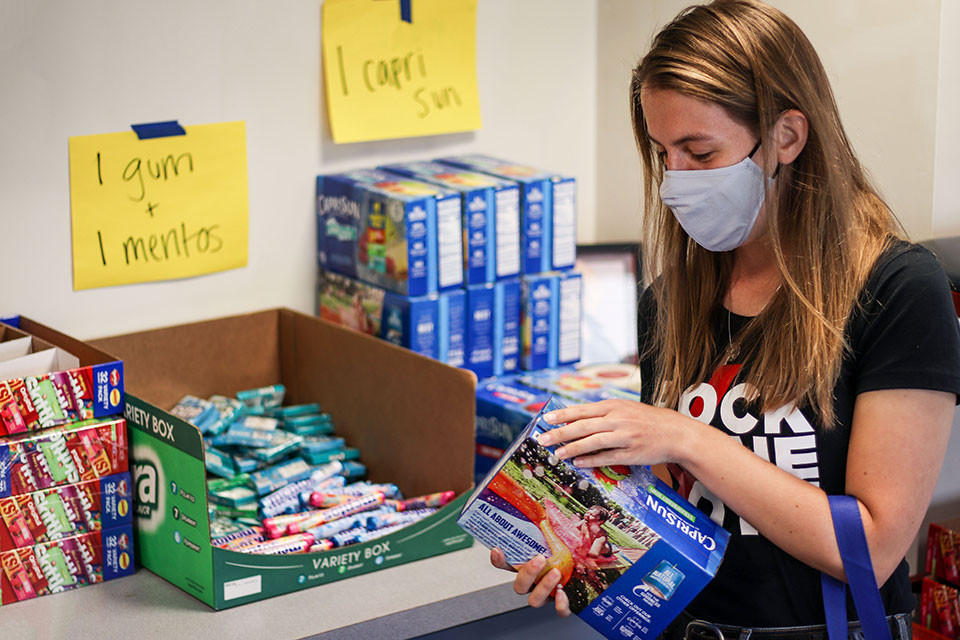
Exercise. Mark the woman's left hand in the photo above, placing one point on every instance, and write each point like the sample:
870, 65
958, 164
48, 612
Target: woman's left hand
617, 432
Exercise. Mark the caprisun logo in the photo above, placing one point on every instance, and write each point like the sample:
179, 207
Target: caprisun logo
150, 486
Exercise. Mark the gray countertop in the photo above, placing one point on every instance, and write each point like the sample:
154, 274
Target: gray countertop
400, 602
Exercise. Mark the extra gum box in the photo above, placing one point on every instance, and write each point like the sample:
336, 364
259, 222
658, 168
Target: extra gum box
552, 310
43, 516
60, 456
491, 218
434, 326
398, 233
66, 564
37, 393
547, 211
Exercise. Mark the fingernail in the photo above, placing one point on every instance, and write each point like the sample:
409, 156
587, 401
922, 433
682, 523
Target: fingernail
539, 561
577, 463
555, 574
544, 439
561, 452
550, 417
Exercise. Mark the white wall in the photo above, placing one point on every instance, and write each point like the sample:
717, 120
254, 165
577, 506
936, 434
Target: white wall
77, 68
946, 185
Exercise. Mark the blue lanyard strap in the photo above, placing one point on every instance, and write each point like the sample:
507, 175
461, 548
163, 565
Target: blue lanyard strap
856, 564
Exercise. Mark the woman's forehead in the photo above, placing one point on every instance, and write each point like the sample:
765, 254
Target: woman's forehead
673, 118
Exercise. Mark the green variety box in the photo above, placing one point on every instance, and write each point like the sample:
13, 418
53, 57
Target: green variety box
411, 417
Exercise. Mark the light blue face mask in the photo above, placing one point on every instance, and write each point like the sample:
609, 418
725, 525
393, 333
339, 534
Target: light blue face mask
716, 207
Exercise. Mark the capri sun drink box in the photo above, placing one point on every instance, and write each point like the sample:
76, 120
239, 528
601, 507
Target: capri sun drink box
631, 552
547, 210
491, 218
493, 328
389, 230
434, 326
552, 309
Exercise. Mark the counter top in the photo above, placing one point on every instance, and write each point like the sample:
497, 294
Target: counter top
406, 601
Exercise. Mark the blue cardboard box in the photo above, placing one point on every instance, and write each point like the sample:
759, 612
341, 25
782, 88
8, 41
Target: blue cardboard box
552, 311
576, 387
493, 328
547, 211
390, 230
504, 407
434, 325
491, 218
508, 300
632, 553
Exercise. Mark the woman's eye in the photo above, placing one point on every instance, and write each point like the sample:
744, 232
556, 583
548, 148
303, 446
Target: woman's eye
702, 157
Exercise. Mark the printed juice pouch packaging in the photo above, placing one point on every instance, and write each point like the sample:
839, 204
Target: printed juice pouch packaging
576, 387
59, 512
400, 234
547, 210
551, 317
434, 326
66, 564
491, 218
632, 553
504, 407
34, 461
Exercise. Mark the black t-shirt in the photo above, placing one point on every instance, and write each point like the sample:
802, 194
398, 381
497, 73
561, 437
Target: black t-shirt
904, 335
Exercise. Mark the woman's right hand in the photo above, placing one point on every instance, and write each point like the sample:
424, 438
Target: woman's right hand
526, 581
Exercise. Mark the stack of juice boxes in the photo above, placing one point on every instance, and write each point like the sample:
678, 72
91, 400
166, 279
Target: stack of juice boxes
281, 481
940, 586
65, 489
466, 259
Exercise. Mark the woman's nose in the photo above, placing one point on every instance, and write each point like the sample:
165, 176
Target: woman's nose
675, 162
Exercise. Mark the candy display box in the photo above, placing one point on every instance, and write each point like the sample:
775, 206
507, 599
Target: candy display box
48, 379
411, 416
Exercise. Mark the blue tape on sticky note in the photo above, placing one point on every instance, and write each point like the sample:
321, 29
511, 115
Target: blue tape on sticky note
405, 11
158, 129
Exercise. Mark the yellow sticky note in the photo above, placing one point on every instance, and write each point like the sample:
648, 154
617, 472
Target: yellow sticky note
386, 78
159, 208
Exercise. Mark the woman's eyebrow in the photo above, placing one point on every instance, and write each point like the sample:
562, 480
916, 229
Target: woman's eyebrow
692, 137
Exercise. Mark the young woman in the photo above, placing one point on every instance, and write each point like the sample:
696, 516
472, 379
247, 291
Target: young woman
793, 345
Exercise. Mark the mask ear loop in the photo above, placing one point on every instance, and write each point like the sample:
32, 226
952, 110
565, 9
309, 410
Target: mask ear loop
753, 152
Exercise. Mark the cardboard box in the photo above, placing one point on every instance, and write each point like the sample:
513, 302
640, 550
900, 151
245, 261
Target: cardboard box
940, 608
60, 512
504, 407
410, 416
66, 564
49, 379
631, 552
390, 230
508, 314
943, 551
552, 310
547, 211
433, 326
491, 218
34, 461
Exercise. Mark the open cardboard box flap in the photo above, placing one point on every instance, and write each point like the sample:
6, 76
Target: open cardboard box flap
411, 417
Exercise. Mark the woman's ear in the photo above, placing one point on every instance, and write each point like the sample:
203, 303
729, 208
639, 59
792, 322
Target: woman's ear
790, 134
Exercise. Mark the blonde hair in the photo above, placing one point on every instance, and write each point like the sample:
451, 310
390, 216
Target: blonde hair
828, 225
